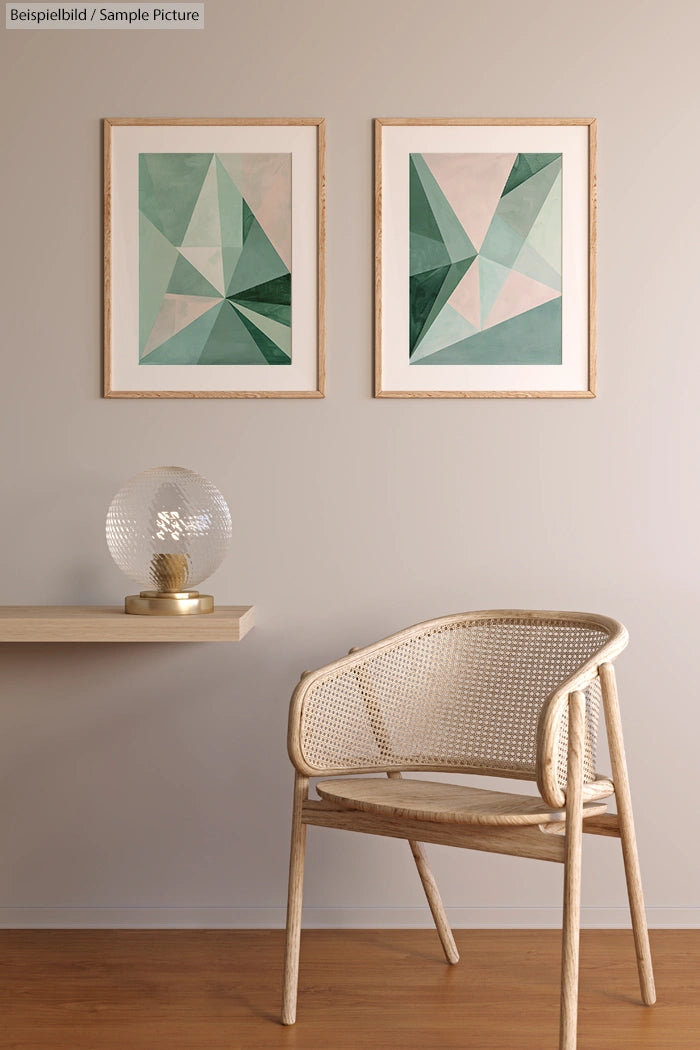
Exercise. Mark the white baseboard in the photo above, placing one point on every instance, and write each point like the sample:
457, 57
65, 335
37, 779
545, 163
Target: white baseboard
331, 918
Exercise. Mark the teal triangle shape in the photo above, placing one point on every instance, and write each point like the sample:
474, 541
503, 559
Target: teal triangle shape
169, 190
531, 338
248, 218
502, 243
530, 263
525, 165
447, 328
454, 275
423, 290
272, 353
452, 233
520, 208
492, 277
230, 258
157, 260
230, 342
422, 222
545, 236
231, 208
204, 226
149, 200
277, 291
426, 254
187, 280
281, 312
186, 346
428, 293
259, 262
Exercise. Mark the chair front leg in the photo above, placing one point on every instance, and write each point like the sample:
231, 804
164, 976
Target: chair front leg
572, 873
627, 834
294, 902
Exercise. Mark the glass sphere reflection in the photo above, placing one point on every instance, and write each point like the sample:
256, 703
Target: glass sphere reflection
168, 528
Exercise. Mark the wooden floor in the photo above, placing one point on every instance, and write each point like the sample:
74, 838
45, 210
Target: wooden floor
359, 990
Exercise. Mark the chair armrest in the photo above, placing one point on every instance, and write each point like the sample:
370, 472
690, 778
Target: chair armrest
552, 729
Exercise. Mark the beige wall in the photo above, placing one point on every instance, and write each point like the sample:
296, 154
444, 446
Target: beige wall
149, 784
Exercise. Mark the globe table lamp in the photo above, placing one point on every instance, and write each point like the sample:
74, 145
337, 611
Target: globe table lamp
168, 529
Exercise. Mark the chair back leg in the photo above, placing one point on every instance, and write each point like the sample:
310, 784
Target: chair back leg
627, 834
572, 874
294, 902
435, 904
432, 894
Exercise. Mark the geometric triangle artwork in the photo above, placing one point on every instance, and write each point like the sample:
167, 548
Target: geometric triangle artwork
215, 249
485, 258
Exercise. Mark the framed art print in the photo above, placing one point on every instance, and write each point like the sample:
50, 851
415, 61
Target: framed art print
485, 258
214, 258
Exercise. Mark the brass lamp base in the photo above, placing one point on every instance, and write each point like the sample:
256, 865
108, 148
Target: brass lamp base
169, 603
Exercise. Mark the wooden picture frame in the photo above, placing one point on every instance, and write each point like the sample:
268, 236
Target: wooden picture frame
214, 257
485, 239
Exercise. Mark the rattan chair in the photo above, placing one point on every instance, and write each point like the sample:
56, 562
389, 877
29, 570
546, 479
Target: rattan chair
508, 693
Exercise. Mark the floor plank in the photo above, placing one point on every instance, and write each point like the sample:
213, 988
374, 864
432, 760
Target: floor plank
359, 990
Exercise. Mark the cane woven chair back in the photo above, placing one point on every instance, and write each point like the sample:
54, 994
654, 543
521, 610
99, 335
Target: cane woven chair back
478, 693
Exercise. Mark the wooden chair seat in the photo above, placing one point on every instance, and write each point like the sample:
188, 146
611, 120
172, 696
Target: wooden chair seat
443, 803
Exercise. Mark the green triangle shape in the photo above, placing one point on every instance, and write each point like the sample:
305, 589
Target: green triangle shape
231, 206
278, 291
452, 233
230, 258
522, 205
272, 353
502, 243
531, 338
186, 280
545, 236
149, 202
171, 190
185, 347
530, 263
447, 328
279, 334
454, 275
157, 260
276, 311
422, 222
426, 254
259, 262
423, 290
230, 343
248, 218
525, 165
428, 292
492, 277
204, 227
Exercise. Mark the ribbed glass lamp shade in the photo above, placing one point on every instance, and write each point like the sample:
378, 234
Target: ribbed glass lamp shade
168, 529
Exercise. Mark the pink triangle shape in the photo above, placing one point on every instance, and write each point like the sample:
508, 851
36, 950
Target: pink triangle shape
519, 294
465, 298
472, 183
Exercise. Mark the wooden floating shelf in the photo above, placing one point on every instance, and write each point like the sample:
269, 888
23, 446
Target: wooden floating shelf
109, 623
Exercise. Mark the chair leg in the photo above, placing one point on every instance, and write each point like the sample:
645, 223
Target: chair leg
435, 903
432, 893
627, 834
294, 900
572, 874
